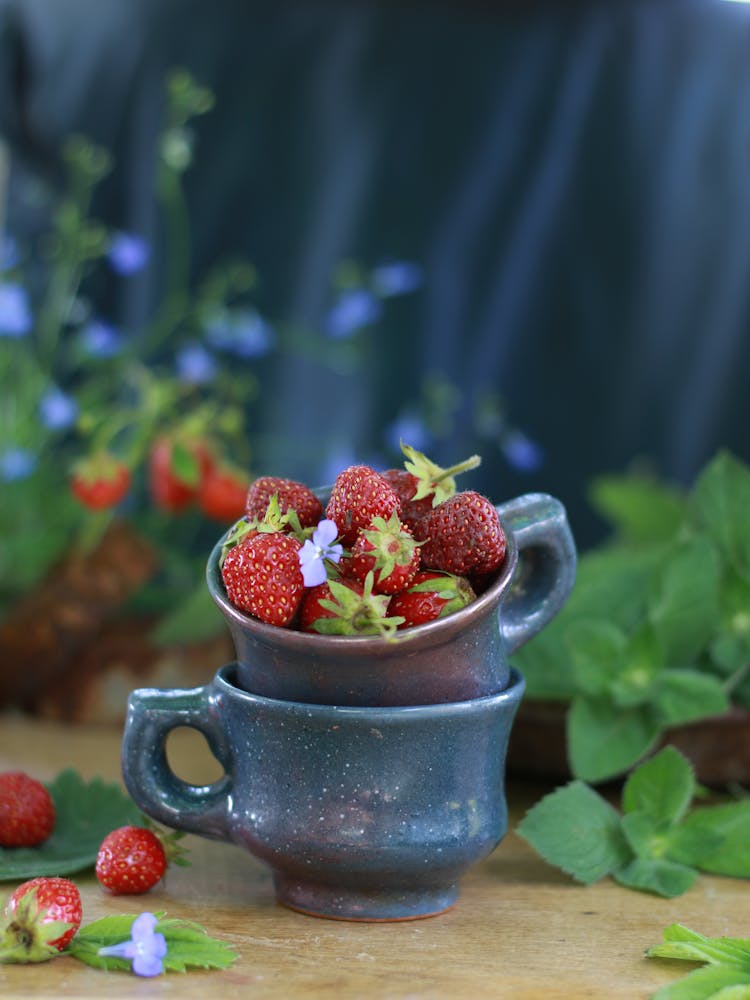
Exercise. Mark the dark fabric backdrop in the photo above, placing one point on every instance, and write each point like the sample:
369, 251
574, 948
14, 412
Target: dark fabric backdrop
574, 179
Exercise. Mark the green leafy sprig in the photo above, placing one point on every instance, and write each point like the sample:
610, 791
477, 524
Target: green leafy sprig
725, 973
188, 944
656, 844
657, 631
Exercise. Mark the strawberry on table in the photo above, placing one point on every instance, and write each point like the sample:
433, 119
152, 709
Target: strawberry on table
431, 595
387, 548
290, 494
132, 859
358, 495
464, 536
41, 918
27, 812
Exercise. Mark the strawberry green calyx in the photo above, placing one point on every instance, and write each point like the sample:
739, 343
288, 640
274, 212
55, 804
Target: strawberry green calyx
28, 937
273, 521
456, 591
357, 614
391, 545
432, 479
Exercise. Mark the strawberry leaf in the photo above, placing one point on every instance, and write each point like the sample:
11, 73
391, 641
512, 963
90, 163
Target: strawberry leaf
86, 813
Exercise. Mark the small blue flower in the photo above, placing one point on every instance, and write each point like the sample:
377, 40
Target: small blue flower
16, 463
128, 253
398, 277
354, 309
241, 332
15, 311
411, 428
100, 339
321, 546
9, 255
521, 452
145, 948
57, 410
195, 365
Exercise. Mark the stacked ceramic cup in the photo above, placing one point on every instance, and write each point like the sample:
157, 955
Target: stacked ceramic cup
367, 773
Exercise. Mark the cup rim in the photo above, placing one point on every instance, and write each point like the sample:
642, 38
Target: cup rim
511, 694
294, 639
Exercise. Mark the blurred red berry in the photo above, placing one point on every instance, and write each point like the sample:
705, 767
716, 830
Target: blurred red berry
100, 481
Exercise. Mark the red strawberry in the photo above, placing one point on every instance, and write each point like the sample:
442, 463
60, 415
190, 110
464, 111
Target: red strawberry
41, 918
464, 536
359, 494
346, 607
175, 471
422, 485
290, 494
100, 481
27, 812
431, 595
262, 576
387, 548
131, 860
222, 493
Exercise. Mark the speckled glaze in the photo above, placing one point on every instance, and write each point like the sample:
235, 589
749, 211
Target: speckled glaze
457, 658
361, 813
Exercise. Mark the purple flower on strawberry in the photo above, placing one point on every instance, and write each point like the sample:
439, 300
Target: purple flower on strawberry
316, 550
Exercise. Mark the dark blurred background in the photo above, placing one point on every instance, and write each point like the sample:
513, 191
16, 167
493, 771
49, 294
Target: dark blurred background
572, 179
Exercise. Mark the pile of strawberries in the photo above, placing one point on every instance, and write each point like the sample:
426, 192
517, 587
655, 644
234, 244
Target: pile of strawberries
390, 550
43, 914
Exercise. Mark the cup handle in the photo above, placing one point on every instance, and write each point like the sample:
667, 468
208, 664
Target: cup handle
152, 714
546, 565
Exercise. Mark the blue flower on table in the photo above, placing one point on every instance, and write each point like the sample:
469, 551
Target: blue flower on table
145, 948
100, 339
15, 311
57, 410
128, 253
355, 308
16, 463
316, 550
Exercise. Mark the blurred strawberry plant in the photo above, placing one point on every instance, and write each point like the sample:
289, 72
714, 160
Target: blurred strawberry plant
657, 630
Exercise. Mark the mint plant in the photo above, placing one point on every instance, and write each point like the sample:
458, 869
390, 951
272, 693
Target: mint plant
657, 630
725, 965
658, 843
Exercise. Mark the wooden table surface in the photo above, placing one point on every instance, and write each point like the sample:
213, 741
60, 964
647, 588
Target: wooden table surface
521, 929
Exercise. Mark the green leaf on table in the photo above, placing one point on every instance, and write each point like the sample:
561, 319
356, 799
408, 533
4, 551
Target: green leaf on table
719, 502
662, 788
725, 976
85, 813
605, 740
577, 830
188, 944
715, 839
658, 875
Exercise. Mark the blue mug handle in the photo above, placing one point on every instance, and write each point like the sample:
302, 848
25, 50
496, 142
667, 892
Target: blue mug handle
546, 568
152, 715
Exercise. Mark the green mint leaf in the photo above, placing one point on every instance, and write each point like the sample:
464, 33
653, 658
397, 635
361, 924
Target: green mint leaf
597, 654
643, 661
657, 875
715, 839
682, 943
641, 509
644, 836
86, 813
661, 788
681, 696
605, 740
719, 502
685, 607
188, 944
577, 830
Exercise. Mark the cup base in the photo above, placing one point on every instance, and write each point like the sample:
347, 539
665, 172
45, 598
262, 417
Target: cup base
363, 905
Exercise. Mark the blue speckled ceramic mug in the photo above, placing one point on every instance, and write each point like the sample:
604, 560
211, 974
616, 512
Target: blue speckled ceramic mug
362, 813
